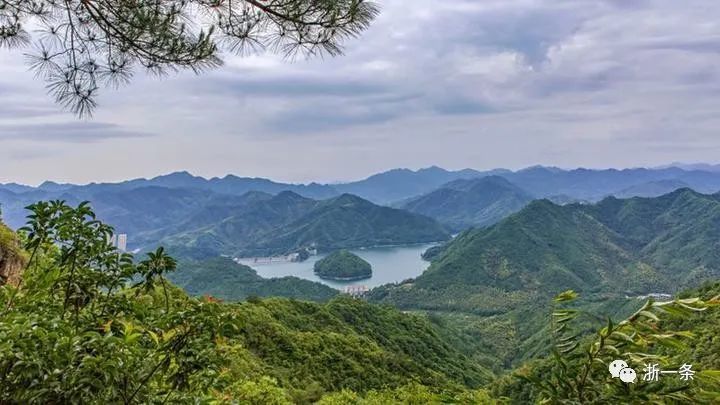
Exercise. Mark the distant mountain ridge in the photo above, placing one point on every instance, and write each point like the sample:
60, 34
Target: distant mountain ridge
471, 202
652, 188
153, 209
593, 185
287, 222
398, 184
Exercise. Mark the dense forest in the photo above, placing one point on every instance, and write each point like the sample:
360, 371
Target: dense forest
343, 265
223, 278
88, 324
466, 203
495, 284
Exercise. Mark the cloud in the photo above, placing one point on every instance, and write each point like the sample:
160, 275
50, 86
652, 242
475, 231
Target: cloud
289, 86
456, 83
72, 132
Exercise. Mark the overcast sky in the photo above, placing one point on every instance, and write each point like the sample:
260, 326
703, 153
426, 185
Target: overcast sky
454, 83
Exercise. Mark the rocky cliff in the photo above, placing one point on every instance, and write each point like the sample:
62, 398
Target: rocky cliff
12, 258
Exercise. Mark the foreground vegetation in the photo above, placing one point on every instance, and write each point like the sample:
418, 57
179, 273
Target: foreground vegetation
87, 324
91, 325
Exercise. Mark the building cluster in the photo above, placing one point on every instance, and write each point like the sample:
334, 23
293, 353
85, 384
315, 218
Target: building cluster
356, 291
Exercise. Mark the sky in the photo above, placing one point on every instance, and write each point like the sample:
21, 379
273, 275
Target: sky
456, 83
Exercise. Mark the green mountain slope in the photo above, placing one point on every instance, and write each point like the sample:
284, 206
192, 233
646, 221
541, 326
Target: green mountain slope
223, 278
343, 265
399, 184
623, 246
124, 334
465, 203
288, 222
504, 276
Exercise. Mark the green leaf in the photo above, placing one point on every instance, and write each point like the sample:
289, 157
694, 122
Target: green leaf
566, 296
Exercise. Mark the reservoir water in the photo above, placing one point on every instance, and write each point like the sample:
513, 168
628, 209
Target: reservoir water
389, 265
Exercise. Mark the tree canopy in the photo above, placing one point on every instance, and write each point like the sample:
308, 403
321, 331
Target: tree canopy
78, 46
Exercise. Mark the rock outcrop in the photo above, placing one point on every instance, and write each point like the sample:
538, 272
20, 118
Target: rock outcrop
12, 258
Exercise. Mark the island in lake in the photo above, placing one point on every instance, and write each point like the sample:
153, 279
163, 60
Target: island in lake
343, 266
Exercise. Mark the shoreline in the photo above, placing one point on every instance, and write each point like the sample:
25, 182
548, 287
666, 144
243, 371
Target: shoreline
238, 259
358, 278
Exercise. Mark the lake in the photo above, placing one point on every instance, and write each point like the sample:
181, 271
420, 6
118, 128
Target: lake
389, 265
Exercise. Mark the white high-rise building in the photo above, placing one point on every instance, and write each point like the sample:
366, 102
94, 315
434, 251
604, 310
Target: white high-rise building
122, 242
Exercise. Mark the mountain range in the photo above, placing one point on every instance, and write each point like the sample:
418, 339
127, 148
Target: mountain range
617, 246
466, 203
524, 237
242, 215
399, 184
284, 223
495, 284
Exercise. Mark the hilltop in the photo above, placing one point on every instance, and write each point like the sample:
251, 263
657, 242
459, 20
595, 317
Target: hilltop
287, 222
222, 278
465, 203
617, 246
502, 276
343, 265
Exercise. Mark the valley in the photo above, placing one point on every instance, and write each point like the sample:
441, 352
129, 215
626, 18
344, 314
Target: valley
359, 202
486, 292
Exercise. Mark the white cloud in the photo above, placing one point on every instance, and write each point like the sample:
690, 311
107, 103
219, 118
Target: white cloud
456, 83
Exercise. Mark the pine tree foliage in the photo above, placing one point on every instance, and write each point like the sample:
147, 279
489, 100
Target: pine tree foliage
78, 46
577, 372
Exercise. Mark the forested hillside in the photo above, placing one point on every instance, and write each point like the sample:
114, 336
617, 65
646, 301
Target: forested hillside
288, 222
501, 278
90, 324
221, 277
632, 246
688, 340
466, 203
109, 329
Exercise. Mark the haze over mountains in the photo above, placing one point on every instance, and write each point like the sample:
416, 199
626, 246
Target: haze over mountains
524, 237
465, 203
253, 216
287, 222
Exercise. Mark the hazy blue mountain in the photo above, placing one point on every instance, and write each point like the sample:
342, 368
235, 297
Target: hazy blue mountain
141, 212
399, 184
253, 223
593, 185
476, 202
229, 184
705, 167
51, 186
16, 188
152, 209
240, 185
652, 188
